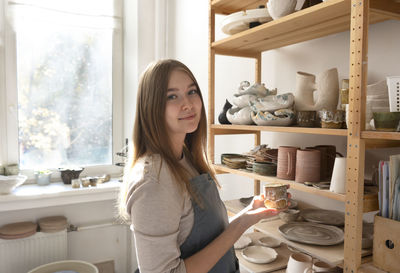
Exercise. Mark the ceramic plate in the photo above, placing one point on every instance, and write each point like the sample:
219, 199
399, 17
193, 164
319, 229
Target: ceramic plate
322, 216
259, 254
242, 242
269, 241
311, 233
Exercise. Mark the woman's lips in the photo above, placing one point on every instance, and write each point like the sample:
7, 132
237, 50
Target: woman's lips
188, 117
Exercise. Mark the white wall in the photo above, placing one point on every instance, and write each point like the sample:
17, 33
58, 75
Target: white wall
188, 42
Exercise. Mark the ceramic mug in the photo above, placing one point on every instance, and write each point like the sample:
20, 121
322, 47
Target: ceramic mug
308, 165
286, 168
298, 263
320, 266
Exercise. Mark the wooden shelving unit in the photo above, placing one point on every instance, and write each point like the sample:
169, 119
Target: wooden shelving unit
329, 17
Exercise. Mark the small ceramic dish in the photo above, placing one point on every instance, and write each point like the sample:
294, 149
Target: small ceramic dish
386, 121
269, 241
242, 242
289, 215
259, 254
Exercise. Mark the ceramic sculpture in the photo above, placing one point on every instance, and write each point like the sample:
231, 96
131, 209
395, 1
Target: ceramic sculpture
281, 117
239, 116
280, 8
243, 100
222, 116
273, 102
256, 89
327, 86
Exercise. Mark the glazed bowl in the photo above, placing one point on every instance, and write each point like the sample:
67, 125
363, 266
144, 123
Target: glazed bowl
386, 121
9, 183
264, 168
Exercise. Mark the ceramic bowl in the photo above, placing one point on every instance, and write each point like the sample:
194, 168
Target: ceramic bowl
306, 118
264, 168
289, 215
68, 174
386, 121
280, 8
9, 183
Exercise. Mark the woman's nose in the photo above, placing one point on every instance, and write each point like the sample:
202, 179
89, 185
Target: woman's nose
187, 103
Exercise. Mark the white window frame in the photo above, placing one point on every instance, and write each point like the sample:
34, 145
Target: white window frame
9, 147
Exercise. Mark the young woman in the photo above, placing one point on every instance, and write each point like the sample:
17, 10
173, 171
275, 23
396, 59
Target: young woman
169, 194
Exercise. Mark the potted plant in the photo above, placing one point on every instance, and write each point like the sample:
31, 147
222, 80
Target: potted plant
43, 177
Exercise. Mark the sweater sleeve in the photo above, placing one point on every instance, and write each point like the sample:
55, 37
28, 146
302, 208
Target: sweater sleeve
155, 214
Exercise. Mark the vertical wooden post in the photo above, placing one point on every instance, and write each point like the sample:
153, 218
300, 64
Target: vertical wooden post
211, 83
356, 145
257, 135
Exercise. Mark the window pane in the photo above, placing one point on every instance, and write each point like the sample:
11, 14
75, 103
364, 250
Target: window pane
64, 97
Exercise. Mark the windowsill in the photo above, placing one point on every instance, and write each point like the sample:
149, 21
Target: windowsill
57, 194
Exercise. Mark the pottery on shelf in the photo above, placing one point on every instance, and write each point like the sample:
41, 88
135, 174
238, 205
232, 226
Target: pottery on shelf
326, 85
282, 117
239, 116
286, 162
243, 100
386, 121
239, 21
280, 8
273, 102
306, 118
308, 164
377, 100
256, 89
222, 116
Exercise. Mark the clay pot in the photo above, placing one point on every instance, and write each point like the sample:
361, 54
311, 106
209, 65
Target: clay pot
286, 162
308, 164
68, 174
330, 156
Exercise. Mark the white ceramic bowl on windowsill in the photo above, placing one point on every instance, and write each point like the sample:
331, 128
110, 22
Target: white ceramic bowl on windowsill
9, 183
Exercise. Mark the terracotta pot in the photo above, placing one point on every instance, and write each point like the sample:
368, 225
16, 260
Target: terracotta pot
286, 162
308, 164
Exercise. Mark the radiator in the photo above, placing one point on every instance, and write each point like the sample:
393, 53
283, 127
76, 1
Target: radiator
22, 255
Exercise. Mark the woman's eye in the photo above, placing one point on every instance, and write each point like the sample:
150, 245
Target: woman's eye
171, 97
194, 91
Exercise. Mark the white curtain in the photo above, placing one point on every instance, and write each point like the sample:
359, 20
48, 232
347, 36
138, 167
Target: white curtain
101, 14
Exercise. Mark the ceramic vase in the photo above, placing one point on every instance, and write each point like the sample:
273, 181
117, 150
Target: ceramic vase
222, 116
338, 181
327, 95
286, 162
308, 164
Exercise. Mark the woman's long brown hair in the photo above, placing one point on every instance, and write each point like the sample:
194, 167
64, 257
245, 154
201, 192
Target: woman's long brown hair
150, 132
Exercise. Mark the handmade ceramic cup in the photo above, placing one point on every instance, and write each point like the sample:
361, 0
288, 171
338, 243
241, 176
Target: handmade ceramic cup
286, 168
298, 262
308, 164
320, 266
338, 181
330, 155
306, 118
289, 215
275, 195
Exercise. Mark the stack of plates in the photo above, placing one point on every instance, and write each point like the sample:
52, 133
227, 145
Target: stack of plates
18, 230
234, 161
53, 224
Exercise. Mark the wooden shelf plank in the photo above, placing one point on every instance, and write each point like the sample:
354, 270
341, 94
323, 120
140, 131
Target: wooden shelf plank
242, 129
231, 6
370, 200
380, 135
330, 254
369, 268
273, 179
314, 22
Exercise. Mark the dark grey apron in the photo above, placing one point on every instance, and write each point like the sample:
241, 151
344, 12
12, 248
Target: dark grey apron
209, 222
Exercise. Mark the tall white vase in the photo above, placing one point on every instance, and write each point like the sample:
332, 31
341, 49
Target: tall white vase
327, 86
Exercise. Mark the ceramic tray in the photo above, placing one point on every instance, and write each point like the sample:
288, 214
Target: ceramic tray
321, 216
311, 233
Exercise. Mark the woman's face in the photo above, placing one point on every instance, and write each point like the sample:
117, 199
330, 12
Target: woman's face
183, 106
